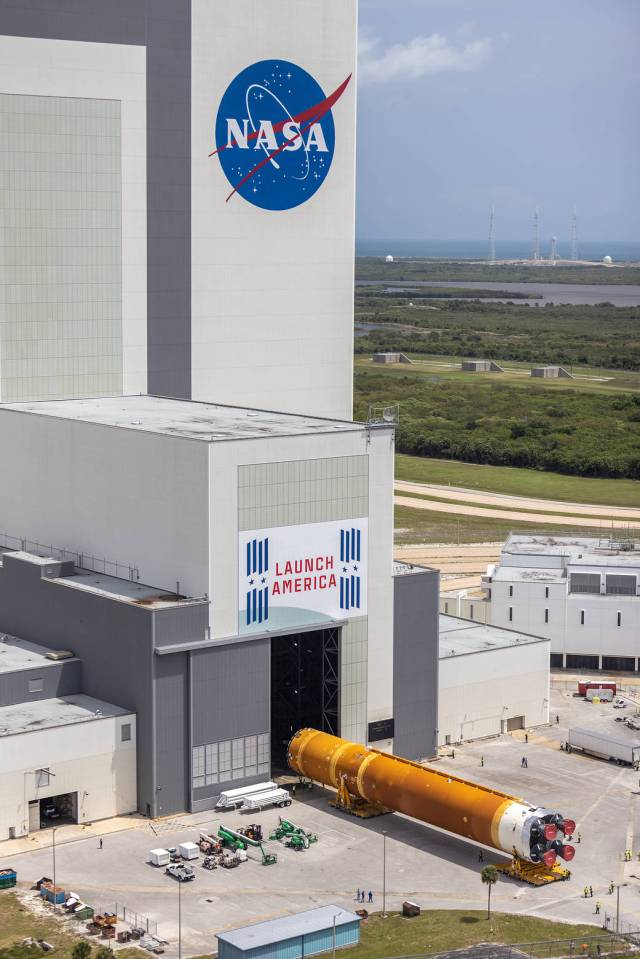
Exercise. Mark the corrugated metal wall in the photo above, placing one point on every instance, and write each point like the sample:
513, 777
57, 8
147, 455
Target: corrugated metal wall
298, 947
172, 732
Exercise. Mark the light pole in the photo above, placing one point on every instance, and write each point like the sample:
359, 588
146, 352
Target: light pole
384, 875
179, 918
618, 905
55, 904
334, 936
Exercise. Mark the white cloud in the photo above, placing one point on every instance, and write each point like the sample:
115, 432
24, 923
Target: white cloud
418, 58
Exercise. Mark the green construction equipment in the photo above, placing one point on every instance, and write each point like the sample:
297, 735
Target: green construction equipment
295, 836
236, 840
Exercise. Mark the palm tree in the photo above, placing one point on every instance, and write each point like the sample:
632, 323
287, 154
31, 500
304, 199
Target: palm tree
489, 875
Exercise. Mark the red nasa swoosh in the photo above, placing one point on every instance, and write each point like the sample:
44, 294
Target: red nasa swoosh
306, 117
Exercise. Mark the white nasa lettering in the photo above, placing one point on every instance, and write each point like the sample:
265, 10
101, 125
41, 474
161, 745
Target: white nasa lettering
316, 138
266, 136
235, 133
292, 132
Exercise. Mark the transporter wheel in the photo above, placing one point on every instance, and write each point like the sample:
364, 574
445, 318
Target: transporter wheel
288, 802
281, 805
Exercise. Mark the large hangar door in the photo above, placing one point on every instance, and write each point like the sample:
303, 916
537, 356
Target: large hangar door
305, 687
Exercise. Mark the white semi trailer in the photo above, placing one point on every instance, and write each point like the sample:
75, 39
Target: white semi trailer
623, 751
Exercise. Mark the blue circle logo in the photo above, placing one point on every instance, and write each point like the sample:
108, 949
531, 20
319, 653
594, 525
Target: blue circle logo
275, 135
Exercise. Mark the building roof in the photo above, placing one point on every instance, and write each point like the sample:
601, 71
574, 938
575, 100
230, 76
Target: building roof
461, 637
49, 713
529, 574
576, 550
206, 422
262, 934
17, 655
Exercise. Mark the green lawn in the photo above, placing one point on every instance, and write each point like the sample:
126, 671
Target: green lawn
438, 930
518, 482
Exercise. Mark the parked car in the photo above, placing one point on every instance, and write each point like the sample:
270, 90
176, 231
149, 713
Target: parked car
619, 704
180, 872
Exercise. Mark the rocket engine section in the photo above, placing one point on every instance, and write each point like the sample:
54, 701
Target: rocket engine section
516, 827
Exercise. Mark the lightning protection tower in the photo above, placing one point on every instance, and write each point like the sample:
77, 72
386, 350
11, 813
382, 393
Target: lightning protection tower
574, 236
492, 238
536, 235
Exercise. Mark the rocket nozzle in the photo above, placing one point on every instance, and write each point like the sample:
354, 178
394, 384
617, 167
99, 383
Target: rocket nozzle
568, 852
549, 858
569, 828
550, 831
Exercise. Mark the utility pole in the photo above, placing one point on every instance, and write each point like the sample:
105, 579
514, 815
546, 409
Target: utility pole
55, 904
620, 884
384, 875
334, 936
179, 919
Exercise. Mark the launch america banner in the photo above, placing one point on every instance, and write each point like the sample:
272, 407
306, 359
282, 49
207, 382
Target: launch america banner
297, 575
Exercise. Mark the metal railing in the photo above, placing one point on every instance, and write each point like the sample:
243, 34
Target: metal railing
605, 944
98, 564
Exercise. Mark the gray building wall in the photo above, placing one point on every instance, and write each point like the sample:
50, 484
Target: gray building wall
231, 700
164, 28
58, 679
114, 640
415, 663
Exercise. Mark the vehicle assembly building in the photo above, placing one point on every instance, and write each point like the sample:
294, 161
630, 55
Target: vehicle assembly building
268, 540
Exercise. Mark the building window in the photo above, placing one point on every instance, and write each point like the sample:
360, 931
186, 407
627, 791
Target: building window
446, 607
619, 618
231, 759
546, 615
582, 617
546, 592
619, 664
36, 685
43, 777
125, 733
471, 611
618, 584
584, 583
511, 614
511, 591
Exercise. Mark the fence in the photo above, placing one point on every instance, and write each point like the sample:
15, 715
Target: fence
136, 919
606, 944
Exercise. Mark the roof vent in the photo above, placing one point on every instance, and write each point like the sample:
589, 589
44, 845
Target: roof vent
58, 654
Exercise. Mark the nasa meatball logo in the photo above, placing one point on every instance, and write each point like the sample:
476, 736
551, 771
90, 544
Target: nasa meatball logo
275, 134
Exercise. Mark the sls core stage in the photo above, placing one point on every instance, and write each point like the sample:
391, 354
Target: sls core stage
533, 835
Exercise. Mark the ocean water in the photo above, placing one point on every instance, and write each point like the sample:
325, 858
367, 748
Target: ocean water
505, 250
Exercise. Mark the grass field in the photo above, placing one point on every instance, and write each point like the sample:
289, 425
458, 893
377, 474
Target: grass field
518, 482
372, 268
424, 526
17, 922
438, 930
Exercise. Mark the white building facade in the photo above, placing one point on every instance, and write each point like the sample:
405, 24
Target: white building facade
491, 681
193, 235
74, 747
582, 594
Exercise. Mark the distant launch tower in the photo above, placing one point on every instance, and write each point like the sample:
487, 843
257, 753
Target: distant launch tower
492, 238
554, 250
536, 235
574, 236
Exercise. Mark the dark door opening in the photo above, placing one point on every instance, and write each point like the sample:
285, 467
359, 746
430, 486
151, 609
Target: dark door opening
59, 810
305, 687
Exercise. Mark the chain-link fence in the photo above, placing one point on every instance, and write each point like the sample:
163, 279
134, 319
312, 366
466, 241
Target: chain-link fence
606, 945
136, 919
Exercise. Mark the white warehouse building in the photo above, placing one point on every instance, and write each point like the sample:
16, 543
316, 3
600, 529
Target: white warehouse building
491, 681
583, 594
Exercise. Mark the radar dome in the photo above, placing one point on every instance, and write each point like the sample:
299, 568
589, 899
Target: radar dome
607, 260
388, 258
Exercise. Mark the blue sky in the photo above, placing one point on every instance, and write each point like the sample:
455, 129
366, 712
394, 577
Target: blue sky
467, 103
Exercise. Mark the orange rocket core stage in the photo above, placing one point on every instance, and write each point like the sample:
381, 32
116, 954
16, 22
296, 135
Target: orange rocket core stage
473, 811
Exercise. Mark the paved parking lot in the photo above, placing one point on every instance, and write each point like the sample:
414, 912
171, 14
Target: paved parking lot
435, 869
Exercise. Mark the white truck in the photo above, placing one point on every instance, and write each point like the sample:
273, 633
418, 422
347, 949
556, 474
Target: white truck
233, 798
621, 751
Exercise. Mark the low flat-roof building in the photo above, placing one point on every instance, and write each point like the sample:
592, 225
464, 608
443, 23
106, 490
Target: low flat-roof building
580, 592
491, 680
67, 759
306, 933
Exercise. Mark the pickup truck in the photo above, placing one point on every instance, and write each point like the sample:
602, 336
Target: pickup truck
180, 872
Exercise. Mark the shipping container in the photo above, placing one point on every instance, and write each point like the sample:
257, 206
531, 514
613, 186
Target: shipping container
624, 751
160, 857
585, 684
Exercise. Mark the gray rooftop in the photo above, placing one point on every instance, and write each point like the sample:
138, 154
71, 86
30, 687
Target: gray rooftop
286, 927
460, 637
529, 574
48, 713
19, 654
577, 550
207, 422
